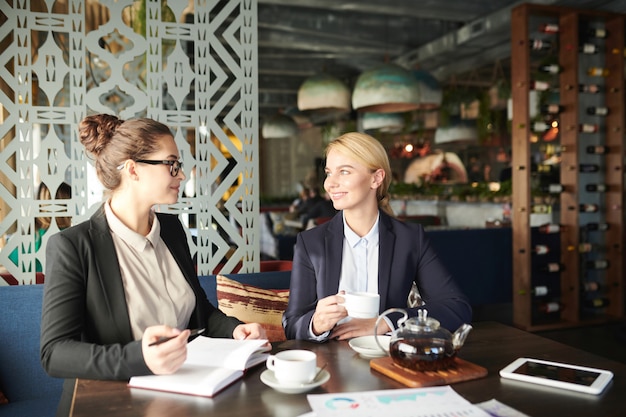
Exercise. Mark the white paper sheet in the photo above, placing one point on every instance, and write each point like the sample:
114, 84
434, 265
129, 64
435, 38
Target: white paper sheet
411, 402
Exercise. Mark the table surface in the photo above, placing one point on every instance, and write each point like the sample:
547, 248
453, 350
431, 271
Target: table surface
490, 345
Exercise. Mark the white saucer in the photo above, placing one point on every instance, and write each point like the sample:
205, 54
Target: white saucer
367, 347
267, 377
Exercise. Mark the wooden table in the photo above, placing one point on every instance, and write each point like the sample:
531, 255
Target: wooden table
491, 345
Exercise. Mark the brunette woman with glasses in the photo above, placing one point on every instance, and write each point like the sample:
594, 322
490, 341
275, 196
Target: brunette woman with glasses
124, 279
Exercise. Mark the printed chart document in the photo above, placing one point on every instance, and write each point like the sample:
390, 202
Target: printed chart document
409, 402
211, 365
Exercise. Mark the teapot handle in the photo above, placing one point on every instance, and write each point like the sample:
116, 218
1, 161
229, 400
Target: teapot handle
401, 320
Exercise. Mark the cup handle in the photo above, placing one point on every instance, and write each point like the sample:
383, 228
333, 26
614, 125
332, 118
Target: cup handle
270, 362
344, 299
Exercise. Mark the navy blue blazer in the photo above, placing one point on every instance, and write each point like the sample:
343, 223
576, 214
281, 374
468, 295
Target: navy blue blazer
85, 327
405, 257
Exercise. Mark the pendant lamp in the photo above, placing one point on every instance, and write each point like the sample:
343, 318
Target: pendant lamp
279, 126
383, 122
430, 93
324, 93
387, 88
456, 132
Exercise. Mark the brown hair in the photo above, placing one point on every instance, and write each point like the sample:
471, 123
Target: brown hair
369, 152
111, 141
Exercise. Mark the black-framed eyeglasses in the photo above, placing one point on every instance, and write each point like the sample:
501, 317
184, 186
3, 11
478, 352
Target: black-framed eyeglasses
175, 166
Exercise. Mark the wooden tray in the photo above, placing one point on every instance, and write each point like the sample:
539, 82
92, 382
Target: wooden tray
461, 371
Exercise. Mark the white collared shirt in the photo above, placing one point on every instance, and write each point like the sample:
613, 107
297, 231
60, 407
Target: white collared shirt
359, 266
359, 260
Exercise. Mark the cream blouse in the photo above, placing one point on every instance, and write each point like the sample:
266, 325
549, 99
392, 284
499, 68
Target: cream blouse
156, 290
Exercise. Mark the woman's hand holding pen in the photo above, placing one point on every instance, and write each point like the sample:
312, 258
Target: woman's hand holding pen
167, 357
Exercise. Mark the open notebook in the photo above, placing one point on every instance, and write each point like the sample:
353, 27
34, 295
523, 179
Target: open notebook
211, 365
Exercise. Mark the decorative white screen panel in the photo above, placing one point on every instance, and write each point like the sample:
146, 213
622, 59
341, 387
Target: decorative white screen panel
192, 66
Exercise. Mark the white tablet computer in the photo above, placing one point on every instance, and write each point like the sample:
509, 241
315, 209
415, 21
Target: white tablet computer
559, 375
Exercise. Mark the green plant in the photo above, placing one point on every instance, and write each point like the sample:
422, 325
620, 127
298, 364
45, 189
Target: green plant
403, 189
451, 102
504, 88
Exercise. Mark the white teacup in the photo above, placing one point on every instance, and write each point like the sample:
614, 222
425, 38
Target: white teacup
293, 367
361, 305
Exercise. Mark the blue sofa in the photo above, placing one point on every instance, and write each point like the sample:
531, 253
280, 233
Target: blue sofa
480, 260
30, 391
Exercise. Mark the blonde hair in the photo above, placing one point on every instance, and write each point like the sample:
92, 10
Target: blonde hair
369, 152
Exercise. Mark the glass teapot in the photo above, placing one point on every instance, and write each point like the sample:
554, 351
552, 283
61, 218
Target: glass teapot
420, 344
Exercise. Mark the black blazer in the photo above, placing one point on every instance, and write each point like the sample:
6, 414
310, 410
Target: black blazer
85, 328
405, 256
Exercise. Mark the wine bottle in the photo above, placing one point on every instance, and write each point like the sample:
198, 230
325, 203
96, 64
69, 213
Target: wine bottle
550, 69
549, 228
599, 227
589, 167
597, 72
551, 109
550, 307
591, 286
598, 149
597, 33
540, 127
541, 208
540, 44
538, 291
584, 247
551, 267
539, 85
589, 88
588, 128
549, 28
589, 208
595, 188
599, 302
588, 48
597, 111
541, 249
597, 264
553, 188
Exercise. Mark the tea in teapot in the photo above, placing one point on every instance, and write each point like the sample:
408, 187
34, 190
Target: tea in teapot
420, 344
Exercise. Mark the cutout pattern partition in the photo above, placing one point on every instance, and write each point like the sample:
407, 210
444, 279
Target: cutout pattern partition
192, 66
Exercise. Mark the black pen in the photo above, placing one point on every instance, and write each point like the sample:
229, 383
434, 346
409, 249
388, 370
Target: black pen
194, 332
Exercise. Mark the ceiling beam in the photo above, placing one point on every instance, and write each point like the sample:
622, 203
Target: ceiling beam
317, 35
424, 9
461, 66
332, 47
495, 24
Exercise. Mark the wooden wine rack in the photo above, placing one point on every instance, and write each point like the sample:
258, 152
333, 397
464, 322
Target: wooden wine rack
573, 143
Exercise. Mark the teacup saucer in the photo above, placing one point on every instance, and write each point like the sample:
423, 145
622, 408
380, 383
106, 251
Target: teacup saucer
367, 347
267, 377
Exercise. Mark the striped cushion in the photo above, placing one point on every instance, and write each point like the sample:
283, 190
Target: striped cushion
252, 304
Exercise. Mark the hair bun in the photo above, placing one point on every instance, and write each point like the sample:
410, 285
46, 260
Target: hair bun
97, 130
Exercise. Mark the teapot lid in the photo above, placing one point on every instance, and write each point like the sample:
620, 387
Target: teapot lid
423, 322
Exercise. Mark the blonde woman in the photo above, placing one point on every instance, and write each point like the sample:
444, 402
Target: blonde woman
364, 248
